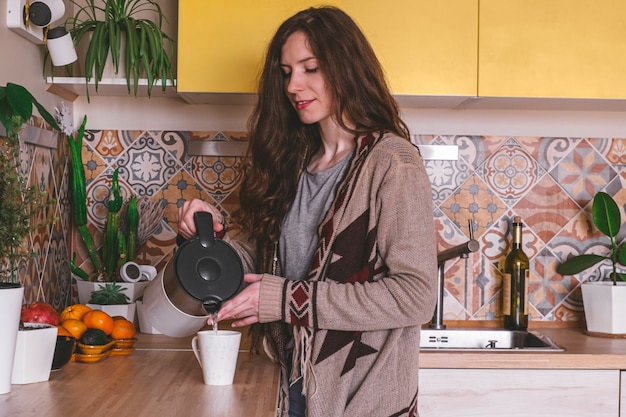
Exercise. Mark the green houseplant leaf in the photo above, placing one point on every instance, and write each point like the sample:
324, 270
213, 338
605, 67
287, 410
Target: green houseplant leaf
607, 219
605, 213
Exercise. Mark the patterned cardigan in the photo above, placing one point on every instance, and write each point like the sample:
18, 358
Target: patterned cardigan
356, 319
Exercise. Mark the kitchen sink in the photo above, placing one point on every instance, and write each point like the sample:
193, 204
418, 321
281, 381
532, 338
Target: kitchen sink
486, 340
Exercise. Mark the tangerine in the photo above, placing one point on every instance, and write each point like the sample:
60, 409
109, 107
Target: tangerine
75, 311
62, 331
98, 319
123, 329
75, 327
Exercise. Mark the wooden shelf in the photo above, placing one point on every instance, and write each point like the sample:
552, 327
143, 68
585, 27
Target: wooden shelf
70, 88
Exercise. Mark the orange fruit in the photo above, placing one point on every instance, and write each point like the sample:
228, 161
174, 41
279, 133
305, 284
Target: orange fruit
123, 329
98, 319
75, 327
75, 311
62, 331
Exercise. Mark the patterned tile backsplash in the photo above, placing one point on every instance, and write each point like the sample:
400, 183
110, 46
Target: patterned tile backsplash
548, 181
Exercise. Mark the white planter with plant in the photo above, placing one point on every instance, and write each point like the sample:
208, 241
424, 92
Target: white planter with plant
604, 302
133, 290
111, 299
34, 352
18, 204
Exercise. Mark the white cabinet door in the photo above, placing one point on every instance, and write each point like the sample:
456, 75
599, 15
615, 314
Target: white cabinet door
519, 393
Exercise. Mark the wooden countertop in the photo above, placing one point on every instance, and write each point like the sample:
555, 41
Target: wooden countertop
582, 352
160, 378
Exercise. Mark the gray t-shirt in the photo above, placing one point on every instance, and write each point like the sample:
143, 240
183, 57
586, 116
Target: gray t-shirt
299, 237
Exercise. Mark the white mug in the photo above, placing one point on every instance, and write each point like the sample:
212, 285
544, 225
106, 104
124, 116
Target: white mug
217, 354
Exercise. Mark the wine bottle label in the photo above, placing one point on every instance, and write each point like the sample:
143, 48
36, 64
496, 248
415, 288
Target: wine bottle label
506, 298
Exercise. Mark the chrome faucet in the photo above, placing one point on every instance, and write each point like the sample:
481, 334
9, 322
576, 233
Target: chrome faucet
459, 251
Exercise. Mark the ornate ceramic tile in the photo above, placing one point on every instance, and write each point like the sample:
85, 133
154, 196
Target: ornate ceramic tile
613, 150
109, 144
147, 165
474, 201
94, 164
547, 151
510, 172
583, 172
218, 175
546, 208
173, 142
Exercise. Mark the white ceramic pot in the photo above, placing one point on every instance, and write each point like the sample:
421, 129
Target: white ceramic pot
34, 352
10, 308
605, 307
125, 310
164, 316
134, 290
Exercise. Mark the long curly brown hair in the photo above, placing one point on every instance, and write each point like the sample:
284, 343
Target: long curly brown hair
279, 143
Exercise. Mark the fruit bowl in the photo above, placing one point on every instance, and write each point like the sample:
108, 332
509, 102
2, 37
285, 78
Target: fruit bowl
86, 358
125, 343
63, 351
95, 349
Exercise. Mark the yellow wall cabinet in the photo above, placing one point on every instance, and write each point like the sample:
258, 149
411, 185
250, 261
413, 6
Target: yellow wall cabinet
426, 47
552, 48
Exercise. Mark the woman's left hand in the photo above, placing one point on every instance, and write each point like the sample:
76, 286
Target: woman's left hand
244, 307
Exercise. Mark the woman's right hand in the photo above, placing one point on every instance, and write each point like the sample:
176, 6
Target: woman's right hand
186, 223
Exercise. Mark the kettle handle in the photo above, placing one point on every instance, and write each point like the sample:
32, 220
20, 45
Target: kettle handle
204, 228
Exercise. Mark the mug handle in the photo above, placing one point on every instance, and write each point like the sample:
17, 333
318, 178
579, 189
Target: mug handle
194, 347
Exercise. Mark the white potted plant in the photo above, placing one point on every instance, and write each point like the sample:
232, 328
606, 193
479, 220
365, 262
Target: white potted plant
36, 342
111, 299
17, 205
604, 301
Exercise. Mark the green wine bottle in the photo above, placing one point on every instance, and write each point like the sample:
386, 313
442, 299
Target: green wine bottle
515, 283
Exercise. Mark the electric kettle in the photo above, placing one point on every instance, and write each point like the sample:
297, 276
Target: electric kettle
203, 273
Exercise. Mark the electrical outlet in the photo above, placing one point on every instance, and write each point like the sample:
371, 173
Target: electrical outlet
15, 22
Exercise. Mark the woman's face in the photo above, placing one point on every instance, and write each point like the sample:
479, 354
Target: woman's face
304, 83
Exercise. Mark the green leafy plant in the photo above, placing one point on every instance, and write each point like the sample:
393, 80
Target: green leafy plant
18, 202
128, 226
113, 254
115, 26
607, 219
108, 294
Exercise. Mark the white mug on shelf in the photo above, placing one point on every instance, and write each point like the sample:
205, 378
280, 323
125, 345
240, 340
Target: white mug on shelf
133, 272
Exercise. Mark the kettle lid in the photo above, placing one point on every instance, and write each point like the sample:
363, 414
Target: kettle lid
208, 269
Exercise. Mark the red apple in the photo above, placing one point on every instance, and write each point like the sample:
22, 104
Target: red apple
40, 312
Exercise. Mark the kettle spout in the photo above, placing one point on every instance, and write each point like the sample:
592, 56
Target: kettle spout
212, 305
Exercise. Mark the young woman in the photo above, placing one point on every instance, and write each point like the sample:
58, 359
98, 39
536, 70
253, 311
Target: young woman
335, 227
